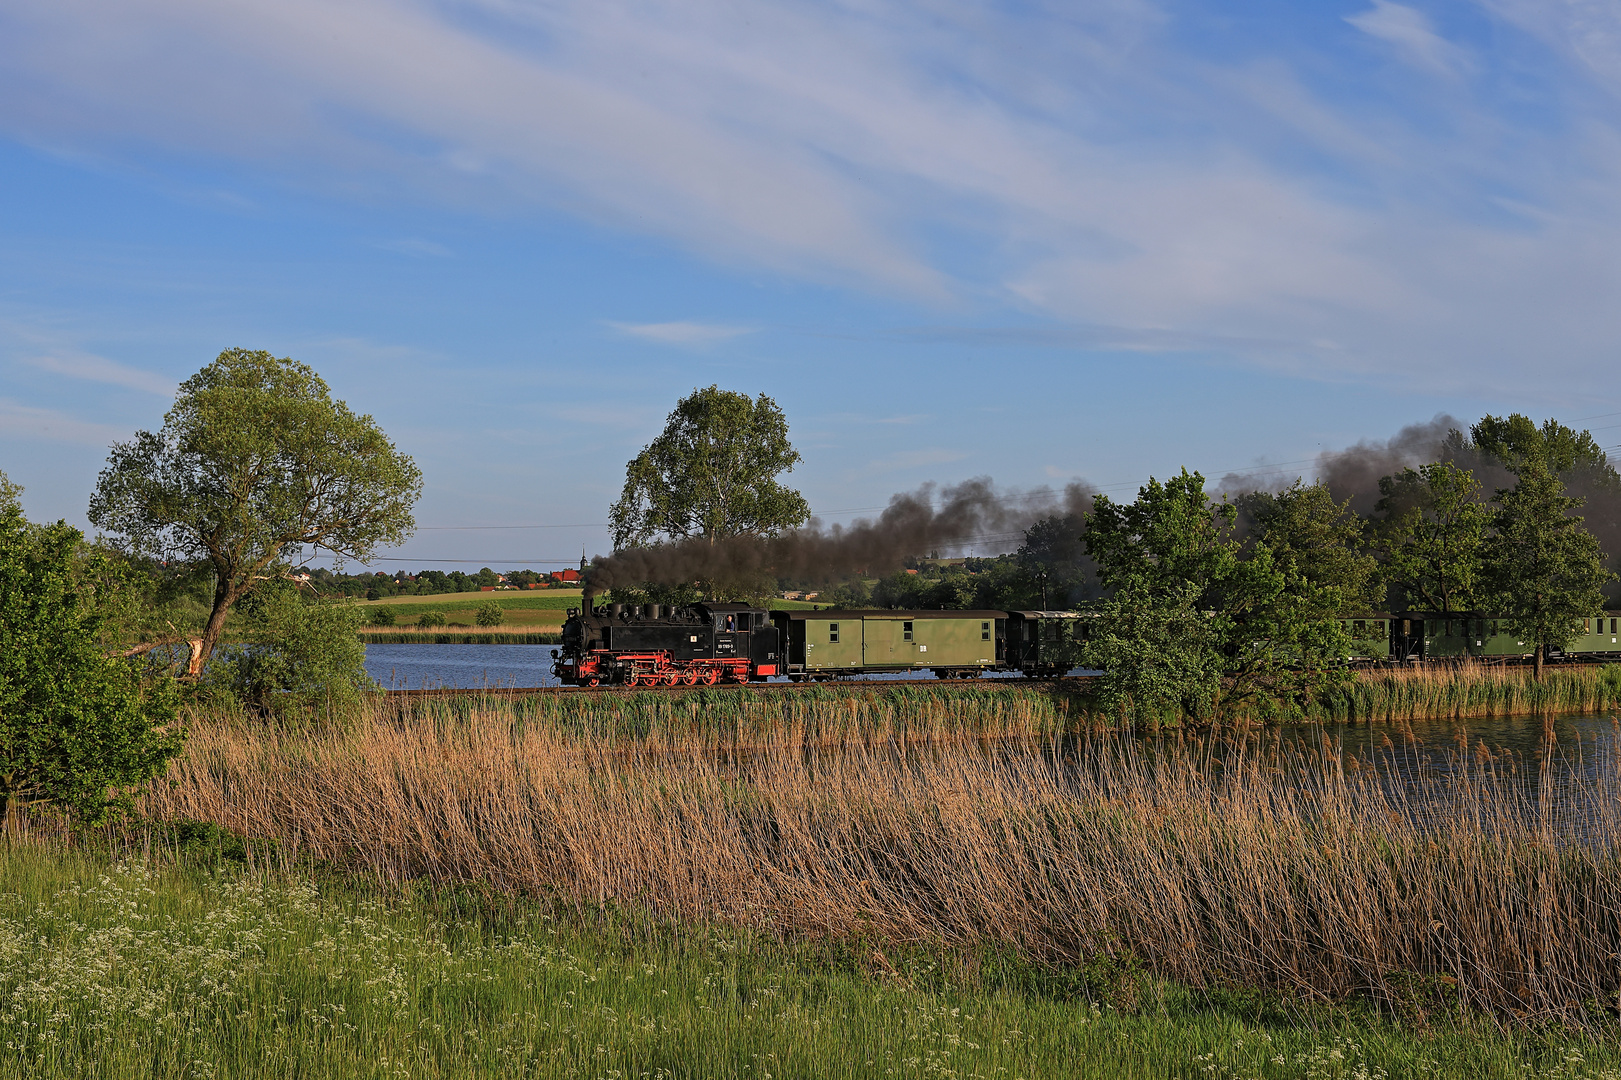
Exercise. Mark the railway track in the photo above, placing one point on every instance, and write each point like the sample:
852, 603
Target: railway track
1071, 681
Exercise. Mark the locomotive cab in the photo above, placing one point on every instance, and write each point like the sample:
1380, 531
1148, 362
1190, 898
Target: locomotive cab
655, 644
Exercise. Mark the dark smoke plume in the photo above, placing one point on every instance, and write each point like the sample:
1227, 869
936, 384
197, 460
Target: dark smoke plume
968, 514
1354, 473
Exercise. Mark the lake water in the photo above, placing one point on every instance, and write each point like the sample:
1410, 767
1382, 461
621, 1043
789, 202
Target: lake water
441, 667
454, 667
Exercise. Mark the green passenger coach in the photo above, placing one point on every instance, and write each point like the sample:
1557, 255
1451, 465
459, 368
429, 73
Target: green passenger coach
1433, 635
824, 644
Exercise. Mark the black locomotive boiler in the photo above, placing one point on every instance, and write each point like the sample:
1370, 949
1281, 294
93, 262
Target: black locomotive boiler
660, 645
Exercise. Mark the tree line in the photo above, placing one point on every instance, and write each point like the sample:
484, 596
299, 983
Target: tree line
377, 586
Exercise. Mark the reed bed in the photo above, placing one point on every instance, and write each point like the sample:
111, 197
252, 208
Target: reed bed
737, 718
1468, 689
1246, 862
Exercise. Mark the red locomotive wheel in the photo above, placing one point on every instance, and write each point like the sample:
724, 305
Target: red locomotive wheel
671, 678
712, 676
690, 676
593, 681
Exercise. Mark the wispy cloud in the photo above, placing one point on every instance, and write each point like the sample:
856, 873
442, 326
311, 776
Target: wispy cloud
1411, 32
1080, 163
92, 368
682, 333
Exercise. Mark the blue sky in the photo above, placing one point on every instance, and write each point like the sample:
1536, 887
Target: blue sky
1040, 242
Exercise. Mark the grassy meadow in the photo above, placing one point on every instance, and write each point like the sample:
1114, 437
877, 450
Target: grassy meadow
162, 956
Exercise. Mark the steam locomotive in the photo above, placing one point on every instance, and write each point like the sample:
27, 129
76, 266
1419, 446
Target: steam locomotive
654, 644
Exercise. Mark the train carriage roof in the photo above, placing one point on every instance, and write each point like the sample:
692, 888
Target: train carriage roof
887, 613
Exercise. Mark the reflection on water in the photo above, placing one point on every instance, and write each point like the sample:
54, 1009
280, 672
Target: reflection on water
1521, 735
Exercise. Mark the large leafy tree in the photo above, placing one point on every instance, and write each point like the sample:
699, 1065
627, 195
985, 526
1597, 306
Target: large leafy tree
255, 464
79, 727
1268, 629
711, 474
1544, 569
1431, 536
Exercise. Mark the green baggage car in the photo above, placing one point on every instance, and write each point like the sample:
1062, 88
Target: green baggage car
826, 644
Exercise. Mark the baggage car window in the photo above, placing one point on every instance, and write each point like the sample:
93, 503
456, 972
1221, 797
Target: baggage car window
906, 631
832, 633
984, 631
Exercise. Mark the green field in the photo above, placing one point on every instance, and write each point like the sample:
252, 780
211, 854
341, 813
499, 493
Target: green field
538, 608
186, 963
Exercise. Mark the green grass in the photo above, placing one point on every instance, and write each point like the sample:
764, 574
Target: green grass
206, 968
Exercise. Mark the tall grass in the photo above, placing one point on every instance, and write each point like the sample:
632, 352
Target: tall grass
1469, 689
920, 818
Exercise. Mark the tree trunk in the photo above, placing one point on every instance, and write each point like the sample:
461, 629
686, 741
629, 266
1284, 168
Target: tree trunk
203, 648
1536, 661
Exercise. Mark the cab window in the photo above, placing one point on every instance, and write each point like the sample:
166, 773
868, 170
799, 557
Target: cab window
906, 631
832, 633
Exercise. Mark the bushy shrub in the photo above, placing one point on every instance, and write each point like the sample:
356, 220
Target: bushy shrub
431, 618
383, 616
78, 728
304, 658
490, 614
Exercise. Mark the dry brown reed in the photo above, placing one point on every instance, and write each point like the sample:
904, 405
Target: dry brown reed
1448, 691
1244, 862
